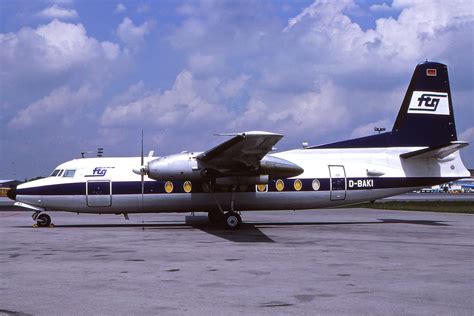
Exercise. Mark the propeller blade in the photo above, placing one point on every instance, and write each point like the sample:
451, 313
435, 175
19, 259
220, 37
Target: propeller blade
142, 159
143, 189
142, 172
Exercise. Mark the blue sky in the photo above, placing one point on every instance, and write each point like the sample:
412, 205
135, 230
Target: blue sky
77, 75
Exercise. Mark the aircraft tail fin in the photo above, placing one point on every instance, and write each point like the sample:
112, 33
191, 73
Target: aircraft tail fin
426, 117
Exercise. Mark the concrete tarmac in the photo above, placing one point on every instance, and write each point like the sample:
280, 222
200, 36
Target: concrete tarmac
330, 262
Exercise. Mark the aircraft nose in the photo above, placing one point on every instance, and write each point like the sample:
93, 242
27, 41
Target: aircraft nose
12, 193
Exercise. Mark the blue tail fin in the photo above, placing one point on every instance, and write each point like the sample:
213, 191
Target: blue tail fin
426, 116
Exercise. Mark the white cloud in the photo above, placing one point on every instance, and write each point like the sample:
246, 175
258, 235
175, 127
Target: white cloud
131, 34
57, 51
181, 105
184, 115
467, 135
368, 129
234, 86
143, 8
295, 115
411, 38
120, 8
380, 7
61, 1
202, 63
321, 69
57, 12
61, 106
324, 12
53, 47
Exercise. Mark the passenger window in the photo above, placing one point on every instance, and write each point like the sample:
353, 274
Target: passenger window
69, 173
60, 172
54, 173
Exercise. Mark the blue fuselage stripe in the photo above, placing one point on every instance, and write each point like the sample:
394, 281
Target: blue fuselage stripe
158, 187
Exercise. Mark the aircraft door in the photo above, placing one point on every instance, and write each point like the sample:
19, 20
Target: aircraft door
99, 193
338, 183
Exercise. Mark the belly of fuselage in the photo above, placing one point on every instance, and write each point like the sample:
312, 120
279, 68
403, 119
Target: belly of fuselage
205, 202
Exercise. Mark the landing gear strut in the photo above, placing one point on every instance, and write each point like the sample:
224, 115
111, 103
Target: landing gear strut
215, 217
231, 219
42, 219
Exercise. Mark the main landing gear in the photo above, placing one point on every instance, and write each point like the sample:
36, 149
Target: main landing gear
231, 220
42, 219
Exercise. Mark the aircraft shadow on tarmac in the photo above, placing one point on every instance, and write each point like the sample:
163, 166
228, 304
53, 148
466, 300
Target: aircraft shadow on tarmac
248, 232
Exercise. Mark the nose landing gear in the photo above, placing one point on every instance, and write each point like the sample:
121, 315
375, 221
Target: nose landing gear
42, 219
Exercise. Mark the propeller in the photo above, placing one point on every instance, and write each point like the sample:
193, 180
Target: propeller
142, 174
142, 171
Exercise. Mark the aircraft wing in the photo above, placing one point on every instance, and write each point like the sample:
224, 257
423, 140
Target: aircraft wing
243, 150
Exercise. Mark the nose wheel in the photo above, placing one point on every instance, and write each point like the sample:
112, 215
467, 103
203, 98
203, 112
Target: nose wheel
42, 219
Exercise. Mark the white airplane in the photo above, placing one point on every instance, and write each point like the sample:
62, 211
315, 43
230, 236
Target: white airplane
243, 174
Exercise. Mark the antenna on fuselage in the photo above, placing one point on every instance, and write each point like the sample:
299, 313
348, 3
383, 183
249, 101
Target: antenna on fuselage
85, 152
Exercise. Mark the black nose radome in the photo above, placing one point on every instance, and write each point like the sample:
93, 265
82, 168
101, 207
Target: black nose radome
12, 193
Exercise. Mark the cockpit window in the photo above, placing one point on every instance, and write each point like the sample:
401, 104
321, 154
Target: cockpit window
54, 173
69, 173
60, 172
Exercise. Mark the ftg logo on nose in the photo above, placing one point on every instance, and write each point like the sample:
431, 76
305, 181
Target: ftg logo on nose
98, 172
426, 102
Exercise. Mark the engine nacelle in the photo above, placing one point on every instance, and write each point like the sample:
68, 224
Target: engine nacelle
174, 167
278, 167
185, 166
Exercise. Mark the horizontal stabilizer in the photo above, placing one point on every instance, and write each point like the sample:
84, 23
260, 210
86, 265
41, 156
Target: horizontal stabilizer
435, 152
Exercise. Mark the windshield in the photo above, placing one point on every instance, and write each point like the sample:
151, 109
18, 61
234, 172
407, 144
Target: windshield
69, 173
54, 173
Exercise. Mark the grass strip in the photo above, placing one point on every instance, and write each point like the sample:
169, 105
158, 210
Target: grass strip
466, 207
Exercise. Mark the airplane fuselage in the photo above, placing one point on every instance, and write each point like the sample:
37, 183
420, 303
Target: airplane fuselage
331, 178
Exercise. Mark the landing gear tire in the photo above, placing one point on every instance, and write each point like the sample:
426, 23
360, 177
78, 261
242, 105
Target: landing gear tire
43, 220
232, 220
215, 217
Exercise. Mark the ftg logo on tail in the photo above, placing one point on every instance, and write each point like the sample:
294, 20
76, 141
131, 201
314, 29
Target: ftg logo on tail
426, 102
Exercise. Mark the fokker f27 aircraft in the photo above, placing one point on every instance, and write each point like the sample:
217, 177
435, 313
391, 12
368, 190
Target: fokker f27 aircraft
242, 174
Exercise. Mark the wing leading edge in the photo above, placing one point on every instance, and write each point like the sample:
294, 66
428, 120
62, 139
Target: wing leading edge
245, 154
245, 149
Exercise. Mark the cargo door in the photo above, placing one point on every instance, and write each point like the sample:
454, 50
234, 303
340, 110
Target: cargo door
99, 193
